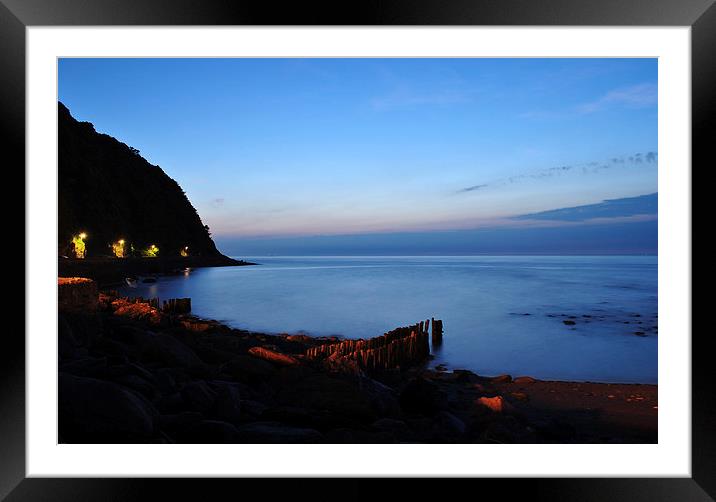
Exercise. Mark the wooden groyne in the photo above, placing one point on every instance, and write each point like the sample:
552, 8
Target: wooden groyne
399, 348
177, 306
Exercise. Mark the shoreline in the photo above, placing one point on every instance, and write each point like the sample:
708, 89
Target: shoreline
109, 271
178, 378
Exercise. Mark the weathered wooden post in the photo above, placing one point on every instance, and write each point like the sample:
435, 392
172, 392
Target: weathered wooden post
437, 333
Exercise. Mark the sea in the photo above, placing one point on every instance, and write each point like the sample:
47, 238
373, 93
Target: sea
574, 318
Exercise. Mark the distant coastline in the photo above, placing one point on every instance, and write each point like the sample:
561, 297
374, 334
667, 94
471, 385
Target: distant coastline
110, 271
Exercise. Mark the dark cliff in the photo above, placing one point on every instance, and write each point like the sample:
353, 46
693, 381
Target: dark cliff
109, 191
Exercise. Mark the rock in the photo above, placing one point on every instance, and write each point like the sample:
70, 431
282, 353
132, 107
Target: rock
209, 431
520, 396
173, 423
249, 369
138, 384
288, 375
301, 417
382, 398
227, 403
524, 380
67, 344
273, 356
506, 431
92, 410
496, 404
450, 423
391, 425
198, 396
501, 379
87, 328
197, 325
299, 338
465, 376
165, 381
274, 432
558, 431
568, 322
113, 347
137, 312
323, 392
253, 408
76, 294
86, 367
171, 403
422, 396
168, 350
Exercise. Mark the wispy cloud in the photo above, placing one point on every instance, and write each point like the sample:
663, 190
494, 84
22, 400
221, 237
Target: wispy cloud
217, 202
472, 188
636, 96
643, 159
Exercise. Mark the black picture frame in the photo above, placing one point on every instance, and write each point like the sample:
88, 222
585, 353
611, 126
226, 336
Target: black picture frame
17, 15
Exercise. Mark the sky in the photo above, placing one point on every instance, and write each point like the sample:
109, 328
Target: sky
284, 156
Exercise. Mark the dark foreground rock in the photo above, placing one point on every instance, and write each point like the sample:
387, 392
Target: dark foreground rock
156, 378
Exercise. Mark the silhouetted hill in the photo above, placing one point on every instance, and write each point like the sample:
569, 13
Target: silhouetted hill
109, 191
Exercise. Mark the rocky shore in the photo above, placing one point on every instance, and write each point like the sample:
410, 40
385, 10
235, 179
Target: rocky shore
133, 372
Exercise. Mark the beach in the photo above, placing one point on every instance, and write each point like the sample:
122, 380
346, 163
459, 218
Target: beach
134, 372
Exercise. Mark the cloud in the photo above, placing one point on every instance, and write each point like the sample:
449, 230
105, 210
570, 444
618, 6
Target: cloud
472, 188
217, 202
636, 96
624, 161
638, 207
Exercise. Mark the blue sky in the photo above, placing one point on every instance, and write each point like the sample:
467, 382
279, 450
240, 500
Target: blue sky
271, 149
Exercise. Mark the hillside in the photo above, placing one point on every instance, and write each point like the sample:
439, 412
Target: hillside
107, 190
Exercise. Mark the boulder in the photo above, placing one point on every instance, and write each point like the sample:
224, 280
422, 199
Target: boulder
138, 312
92, 410
165, 381
227, 403
67, 344
450, 423
324, 392
501, 379
198, 396
175, 423
168, 350
391, 425
273, 356
496, 404
252, 408
422, 396
382, 398
137, 384
86, 367
524, 380
249, 369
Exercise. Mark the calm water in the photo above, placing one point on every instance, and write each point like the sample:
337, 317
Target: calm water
501, 314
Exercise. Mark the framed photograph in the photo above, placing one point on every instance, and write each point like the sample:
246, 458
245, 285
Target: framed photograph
420, 240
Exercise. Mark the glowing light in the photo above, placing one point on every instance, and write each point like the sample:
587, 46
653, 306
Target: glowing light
118, 249
185, 251
151, 251
78, 245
